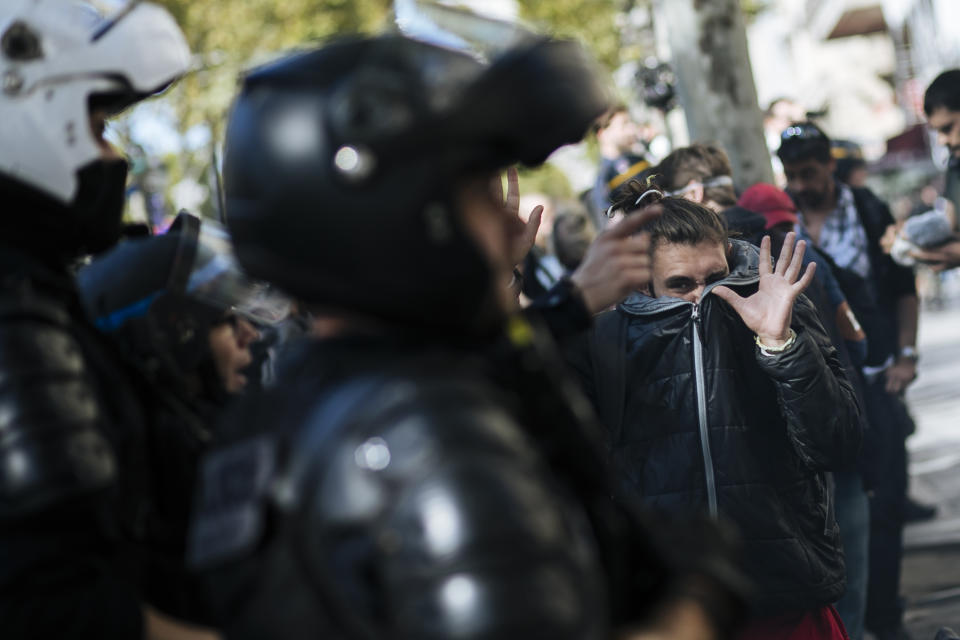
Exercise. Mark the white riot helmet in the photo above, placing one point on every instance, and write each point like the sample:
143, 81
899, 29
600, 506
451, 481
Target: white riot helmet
58, 55
60, 62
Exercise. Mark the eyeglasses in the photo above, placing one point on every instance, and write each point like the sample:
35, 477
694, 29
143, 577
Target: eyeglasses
802, 132
716, 181
653, 195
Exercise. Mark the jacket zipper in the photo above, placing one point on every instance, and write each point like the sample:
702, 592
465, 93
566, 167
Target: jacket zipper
828, 497
702, 413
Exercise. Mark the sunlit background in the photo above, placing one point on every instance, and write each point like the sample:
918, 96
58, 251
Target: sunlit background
860, 66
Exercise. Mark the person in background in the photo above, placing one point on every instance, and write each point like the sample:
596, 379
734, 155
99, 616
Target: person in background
700, 173
779, 114
540, 268
780, 214
851, 167
573, 232
941, 105
847, 224
852, 507
622, 157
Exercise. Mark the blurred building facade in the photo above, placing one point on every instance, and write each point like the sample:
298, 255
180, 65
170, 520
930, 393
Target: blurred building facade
805, 51
926, 35
861, 64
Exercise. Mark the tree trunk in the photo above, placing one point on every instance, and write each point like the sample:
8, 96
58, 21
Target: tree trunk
708, 44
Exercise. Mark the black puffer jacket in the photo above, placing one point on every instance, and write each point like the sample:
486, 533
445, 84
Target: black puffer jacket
699, 420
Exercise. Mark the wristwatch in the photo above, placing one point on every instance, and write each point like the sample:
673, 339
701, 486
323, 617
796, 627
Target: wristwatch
910, 353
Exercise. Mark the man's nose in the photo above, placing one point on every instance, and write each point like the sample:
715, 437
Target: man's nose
698, 293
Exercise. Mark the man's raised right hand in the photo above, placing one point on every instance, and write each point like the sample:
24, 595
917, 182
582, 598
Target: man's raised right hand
617, 263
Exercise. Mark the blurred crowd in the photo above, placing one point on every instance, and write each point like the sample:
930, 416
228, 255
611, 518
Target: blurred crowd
387, 397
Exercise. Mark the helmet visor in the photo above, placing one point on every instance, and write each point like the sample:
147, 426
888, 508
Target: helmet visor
217, 279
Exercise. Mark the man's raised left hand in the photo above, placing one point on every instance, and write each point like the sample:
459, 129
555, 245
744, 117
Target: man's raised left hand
768, 311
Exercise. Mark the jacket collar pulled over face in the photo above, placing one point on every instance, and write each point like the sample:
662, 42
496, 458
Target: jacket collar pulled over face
743, 259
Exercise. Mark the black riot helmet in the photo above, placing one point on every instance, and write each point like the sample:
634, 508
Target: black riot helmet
158, 297
341, 164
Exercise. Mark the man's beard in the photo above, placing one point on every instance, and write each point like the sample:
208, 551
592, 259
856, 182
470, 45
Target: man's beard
811, 199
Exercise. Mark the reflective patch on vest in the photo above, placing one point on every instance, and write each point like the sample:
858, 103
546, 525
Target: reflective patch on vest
229, 519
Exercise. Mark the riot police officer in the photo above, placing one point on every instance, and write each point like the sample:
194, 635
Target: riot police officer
183, 315
71, 481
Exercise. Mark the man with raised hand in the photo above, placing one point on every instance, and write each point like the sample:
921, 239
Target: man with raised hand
722, 394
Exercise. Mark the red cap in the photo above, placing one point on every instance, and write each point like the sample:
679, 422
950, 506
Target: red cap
772, 203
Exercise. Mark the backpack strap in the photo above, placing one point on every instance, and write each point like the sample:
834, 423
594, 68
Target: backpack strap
873, 215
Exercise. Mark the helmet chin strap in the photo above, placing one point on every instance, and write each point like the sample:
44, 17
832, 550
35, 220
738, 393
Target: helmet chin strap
58, 233
97, 209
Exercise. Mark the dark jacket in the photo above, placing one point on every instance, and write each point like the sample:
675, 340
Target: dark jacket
752, 228
874, 299
72, 481
889, 281
699, 420
749, 225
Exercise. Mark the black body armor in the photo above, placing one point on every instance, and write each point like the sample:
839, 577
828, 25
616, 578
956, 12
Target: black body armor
72, 477
402, 499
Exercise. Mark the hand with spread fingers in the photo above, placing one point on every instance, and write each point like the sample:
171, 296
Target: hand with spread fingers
527, 235
617, 263
768, 311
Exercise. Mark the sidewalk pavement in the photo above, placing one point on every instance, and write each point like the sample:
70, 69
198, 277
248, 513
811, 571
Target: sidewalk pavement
931, 566
935, 448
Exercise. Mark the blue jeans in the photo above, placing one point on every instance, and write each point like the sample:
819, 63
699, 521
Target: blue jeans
853, 515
